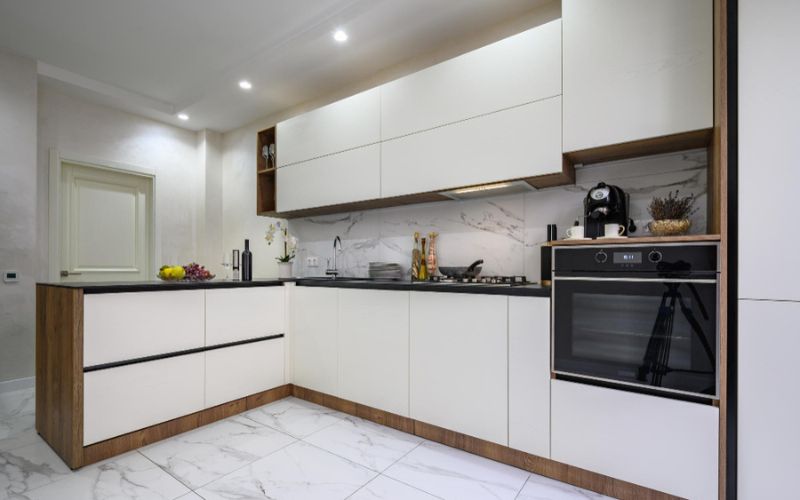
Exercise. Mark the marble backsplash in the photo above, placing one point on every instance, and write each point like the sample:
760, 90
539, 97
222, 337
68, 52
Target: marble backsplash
505, 231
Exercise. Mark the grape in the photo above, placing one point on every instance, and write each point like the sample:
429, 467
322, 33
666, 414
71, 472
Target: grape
196, 272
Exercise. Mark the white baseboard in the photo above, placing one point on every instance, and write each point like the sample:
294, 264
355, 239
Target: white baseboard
17, 384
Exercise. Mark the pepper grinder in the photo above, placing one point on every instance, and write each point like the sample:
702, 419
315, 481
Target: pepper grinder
235, 265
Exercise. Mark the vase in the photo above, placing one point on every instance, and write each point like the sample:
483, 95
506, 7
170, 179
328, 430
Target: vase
284, 269
670, 227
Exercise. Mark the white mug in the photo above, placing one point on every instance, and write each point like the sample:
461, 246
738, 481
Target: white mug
613, 230
575, 232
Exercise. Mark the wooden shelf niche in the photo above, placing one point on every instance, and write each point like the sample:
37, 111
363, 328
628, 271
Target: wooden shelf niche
266, 185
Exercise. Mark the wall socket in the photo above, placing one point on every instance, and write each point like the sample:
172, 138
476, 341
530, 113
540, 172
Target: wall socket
312, 261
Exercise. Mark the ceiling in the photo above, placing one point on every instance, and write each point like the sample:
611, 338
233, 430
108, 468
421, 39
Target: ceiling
161, 57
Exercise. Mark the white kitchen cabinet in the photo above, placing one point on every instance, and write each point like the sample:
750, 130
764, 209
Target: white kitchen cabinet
127, 398
513, 71
515, 143
529, 375
314, 338
663, 444
768, 401
342, 125
459, 363
635, 70
373, 348
123, 326
234, 314
239, 371
345, 177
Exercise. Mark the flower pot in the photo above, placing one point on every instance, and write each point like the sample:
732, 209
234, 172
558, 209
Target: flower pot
284, 269
670, 227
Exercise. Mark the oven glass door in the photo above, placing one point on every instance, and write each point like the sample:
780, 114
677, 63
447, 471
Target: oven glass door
660, 334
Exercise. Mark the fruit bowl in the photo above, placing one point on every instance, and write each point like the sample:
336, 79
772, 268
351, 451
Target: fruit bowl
190, 272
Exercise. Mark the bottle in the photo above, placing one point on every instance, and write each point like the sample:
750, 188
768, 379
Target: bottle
423, 265
415, 258
235, 264
432, 263
247, 262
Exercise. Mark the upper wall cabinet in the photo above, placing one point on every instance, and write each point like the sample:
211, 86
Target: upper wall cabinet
635, 70
519, 69
342, 125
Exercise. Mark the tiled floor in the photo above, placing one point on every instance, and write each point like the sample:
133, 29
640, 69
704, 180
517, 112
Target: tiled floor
290, 449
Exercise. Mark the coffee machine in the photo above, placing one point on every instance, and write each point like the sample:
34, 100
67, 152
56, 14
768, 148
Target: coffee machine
606, 204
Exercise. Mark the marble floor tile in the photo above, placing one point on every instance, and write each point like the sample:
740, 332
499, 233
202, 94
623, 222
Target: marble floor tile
129, 476
457, 475
365, 443
191, 496
29, 467
208, 453
384, 488
17, 419
295, 417
299, 471
544, 488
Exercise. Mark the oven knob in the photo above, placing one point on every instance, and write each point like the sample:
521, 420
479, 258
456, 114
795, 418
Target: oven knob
655, 256
600, 257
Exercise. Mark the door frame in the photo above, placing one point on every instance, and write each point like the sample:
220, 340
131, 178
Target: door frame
57, 158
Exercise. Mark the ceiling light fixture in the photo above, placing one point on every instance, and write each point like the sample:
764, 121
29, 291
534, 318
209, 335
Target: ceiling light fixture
340, 36
183, 116
245, 85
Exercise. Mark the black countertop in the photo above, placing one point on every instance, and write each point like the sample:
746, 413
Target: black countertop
155, 286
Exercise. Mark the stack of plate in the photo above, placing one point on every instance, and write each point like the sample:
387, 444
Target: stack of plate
385, 271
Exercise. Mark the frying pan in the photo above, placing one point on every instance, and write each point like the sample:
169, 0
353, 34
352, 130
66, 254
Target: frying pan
463, 272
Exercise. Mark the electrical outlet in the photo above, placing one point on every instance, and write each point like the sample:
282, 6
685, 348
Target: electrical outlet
312, 261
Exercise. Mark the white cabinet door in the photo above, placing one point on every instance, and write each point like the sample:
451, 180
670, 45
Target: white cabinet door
340, 178
635, 70
663, 444
314, 338
529, 375
373, 348
519, 69
242, 370
768, 399
234, 314
342, 125
122, 326
511, 144
459, 363
127, 398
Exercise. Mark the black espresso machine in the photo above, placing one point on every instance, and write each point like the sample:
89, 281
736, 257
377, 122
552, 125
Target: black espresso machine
606, 204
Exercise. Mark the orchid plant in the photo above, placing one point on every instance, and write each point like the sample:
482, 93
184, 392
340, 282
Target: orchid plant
289, 242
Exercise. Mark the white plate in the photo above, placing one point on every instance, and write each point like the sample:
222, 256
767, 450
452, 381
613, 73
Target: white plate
576, 239
611, 237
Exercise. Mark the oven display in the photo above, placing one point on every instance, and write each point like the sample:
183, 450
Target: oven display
627, 257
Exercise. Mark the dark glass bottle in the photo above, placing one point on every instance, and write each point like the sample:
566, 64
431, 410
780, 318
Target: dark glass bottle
247, 262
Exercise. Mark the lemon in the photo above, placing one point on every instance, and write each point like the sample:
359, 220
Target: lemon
178, 273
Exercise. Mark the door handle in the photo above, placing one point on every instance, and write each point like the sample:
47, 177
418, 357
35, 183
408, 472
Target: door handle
64, 274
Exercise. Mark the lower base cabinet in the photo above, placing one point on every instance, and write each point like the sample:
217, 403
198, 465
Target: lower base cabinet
659, 443
239, 371
127, 398
314, 340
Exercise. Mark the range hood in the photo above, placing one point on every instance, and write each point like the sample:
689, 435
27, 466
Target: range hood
484, 190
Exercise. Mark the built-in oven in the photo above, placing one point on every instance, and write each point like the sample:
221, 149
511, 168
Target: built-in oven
638, 317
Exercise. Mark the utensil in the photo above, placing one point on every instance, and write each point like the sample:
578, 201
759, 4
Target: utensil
472, 271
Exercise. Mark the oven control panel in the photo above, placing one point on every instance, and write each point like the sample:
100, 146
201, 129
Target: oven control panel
694, 257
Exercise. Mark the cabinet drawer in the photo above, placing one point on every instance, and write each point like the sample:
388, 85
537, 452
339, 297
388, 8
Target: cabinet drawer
238, 371
121, 326
667, 445
243, 313
127, 398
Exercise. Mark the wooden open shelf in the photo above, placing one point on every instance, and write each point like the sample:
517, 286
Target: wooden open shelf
266, 185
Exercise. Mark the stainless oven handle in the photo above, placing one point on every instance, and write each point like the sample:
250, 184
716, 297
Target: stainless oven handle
637, 280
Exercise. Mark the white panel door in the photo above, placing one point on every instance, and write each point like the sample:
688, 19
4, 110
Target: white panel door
340, 178
242, 370
529, 375
314, 341
634, 69
234, 314
515, 143
459, 363
519, 69
123, 326
127, 398
768, 399
106, 225
373, 348
342, 125
663, 444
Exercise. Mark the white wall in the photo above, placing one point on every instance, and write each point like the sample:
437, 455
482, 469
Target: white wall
18, 238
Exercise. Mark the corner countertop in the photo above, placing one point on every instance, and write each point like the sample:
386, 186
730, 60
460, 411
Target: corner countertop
531, 290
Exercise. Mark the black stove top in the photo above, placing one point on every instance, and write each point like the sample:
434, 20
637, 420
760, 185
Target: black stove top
482, 280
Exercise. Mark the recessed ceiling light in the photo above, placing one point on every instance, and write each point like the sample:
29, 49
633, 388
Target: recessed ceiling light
340, 36
245, 85
183, 116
